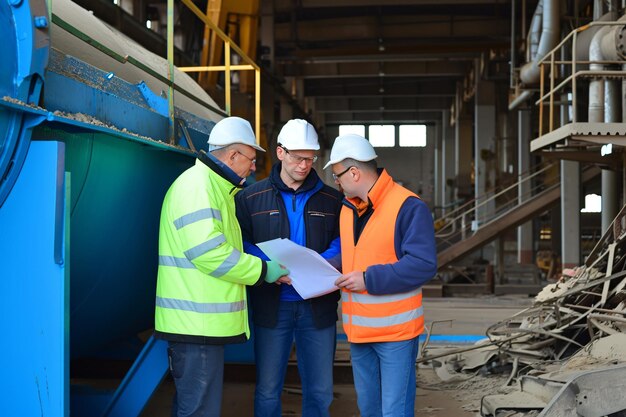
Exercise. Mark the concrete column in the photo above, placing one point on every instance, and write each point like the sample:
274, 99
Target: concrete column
525, 231
448, 161
570, 214
609, 198
484, 146
426, 175
438, 170
610, 192
462, 157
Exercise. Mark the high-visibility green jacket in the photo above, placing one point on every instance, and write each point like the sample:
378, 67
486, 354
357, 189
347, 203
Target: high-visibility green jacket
203, 271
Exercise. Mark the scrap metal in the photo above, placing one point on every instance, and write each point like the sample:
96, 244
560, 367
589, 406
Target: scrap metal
566, 353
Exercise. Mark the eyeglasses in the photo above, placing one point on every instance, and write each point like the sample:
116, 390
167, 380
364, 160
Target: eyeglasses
252, 160
336, 176
298, 159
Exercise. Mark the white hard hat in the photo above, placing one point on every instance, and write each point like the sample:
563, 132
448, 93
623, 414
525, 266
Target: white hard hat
298, 134
232, 130
351, 146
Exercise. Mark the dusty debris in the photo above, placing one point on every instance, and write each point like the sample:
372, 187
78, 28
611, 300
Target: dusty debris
570, 340
88, 119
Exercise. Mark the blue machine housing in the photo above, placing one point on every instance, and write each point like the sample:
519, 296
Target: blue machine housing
25, 55
84, 164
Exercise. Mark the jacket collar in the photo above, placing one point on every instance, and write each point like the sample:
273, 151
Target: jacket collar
376, 194
221, 169
310, 182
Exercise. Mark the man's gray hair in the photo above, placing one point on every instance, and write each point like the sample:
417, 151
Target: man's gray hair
220, 150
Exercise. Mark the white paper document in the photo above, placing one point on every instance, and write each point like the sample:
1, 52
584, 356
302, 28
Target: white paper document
311, 275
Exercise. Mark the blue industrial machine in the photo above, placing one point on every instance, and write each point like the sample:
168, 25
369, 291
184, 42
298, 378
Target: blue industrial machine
85, 161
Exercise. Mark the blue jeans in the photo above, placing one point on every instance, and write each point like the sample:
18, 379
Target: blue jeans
315, 354
198, 372
384, 377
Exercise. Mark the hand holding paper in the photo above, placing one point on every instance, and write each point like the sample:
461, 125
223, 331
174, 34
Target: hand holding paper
274, 271
310, 274
352, 281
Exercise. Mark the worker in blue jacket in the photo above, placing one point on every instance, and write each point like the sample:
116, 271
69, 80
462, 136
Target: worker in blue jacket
292, 203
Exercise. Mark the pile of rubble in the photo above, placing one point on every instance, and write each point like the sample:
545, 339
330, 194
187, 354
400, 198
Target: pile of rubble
565, 355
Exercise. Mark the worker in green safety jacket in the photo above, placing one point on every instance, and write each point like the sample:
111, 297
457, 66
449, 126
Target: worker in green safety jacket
203, 272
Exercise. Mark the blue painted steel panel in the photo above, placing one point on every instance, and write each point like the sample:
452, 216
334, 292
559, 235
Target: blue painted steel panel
35, 288
112, 101
117, 191
24, 57
140, 382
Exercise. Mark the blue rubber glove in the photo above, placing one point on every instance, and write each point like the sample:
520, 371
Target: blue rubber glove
274, 271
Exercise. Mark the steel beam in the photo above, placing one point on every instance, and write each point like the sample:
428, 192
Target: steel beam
368, 69
361, 104
409, 117
408, 86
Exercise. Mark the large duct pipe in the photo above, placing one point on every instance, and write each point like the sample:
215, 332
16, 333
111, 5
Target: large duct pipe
603, 47
603, 104
546, 21
583, 39
549, 10
534, 34
596, 86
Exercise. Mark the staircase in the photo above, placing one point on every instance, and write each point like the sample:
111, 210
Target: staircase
462, 232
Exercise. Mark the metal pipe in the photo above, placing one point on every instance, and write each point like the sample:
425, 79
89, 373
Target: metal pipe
596, 86
529, 73
601, 100
170, 71
612, 113
513, 45
533, 34
584, 37
524, 95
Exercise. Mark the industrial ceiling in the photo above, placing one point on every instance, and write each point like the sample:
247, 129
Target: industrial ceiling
402, 61
364, 61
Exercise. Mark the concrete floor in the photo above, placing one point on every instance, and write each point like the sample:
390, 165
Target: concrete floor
468, 316
238, 400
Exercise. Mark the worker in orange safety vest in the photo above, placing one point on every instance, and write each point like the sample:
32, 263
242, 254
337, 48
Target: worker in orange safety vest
388, 253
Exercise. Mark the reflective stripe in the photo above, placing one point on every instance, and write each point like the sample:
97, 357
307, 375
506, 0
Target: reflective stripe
204, 308
379, 299
173, 261
205, 247
228, 264
187, 219
401, 318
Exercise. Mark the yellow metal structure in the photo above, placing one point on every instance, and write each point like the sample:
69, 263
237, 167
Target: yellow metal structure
217, 38
239, 20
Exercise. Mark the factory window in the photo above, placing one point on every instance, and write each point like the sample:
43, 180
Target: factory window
382, 136
593, 204
356, 129
413, 136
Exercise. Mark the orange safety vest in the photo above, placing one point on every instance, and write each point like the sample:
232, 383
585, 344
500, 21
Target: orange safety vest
371, 318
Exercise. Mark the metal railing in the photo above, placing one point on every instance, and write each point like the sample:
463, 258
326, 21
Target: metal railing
460, 223
553, 67
229, 45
